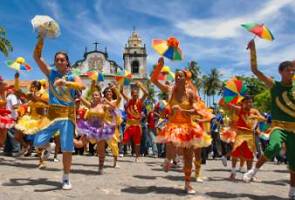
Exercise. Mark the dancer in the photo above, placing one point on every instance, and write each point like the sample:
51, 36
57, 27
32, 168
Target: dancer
244, 142
112, 95
134, 106
181, 131
97, 125
62, 86
283, 116
34, 119
6, 121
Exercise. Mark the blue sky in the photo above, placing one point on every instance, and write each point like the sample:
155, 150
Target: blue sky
209, 31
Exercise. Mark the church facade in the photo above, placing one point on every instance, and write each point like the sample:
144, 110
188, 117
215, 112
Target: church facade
134, 61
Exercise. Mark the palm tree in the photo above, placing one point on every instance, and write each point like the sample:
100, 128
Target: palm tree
5, 45
214, 82
194, 68
206, 87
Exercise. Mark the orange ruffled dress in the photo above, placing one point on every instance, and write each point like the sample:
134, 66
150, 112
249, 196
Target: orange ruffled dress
181, 130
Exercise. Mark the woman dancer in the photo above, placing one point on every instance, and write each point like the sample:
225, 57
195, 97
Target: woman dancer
244, 142
113, 97
97, 125
6, 121
180, 130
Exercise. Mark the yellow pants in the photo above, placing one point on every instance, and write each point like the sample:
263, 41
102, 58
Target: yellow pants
113, 143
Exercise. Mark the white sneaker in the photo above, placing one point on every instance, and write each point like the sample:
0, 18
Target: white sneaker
55, 160
66, 184
121, 155
224, 161
248, 176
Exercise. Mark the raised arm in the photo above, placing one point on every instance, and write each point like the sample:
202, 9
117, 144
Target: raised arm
253, 60
119, 98
85, 102
155, 74
144, 90
230, 106
123, 94
44, 67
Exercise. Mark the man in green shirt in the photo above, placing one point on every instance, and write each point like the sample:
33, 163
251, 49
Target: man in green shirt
283, 115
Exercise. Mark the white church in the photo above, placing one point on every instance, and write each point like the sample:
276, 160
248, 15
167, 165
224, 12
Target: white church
134, 58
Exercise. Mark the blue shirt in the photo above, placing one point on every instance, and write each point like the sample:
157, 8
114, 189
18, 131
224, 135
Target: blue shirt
60, 95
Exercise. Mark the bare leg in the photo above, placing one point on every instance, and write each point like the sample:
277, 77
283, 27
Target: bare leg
67, 162
187, 169
233, 170
137, 152
170, 155
100, 148
198, 164
3, 135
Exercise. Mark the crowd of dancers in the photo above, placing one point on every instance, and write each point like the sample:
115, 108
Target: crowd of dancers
56, 110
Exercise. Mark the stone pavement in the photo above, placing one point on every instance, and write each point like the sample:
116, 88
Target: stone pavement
20, 179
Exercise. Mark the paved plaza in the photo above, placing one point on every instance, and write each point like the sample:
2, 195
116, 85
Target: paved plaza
20, 179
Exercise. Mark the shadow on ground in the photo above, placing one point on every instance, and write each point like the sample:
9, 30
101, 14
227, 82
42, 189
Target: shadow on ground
154, 189
225, 195
33, 182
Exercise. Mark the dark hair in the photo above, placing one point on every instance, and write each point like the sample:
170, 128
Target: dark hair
36, 84
66, 56
247, 97
114, 96
285, 65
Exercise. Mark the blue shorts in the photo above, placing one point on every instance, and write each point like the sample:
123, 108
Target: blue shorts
66, 130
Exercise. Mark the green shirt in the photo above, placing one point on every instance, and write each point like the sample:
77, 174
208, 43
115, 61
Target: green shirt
282, 102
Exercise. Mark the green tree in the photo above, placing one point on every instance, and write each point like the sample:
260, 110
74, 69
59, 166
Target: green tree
215, 84
262, 101
194, 68
5, 44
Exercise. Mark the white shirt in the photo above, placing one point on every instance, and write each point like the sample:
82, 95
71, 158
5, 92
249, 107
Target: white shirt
11, 100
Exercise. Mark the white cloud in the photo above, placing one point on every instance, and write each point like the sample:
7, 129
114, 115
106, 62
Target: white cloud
218, 27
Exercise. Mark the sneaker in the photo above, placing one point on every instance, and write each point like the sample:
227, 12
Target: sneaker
224, 161
248, 176
189, 190
121, 155
66, 184
55, 160
41, 166
199, 180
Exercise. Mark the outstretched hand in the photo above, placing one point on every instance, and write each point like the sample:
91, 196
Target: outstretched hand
161, 61
59, 82
251, 44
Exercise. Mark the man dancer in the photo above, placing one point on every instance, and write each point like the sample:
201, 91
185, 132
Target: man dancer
133, 110
283, 115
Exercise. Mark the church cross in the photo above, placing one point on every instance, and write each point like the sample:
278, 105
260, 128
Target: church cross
96, 43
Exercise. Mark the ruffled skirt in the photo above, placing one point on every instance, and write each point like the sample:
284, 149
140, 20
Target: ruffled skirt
95, 130
30, 125
184, 135
6, 121
228, 135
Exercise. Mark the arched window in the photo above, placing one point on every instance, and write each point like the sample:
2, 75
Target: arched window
135, 67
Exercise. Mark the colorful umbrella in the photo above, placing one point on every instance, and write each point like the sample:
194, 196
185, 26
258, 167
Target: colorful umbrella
123, 78
234, 91
19, 64
260, 30
46, 26
168, 48
95, 76
166, 74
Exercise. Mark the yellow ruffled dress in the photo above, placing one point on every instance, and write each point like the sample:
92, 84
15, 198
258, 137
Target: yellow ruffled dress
36, 118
